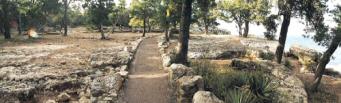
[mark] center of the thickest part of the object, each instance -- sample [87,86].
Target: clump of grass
[288,64]
[236,86]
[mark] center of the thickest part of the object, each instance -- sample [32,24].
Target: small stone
[177,71]
[84,100]
[124,73]
[50,101]
[107,99]
[63,97]
[205,97]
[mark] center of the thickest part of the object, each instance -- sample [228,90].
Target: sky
[296,27]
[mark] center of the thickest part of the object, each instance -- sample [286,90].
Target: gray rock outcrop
[187,86]
[205,97]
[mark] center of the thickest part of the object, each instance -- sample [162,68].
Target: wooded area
[180,21]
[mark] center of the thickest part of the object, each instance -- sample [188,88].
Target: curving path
[148,82]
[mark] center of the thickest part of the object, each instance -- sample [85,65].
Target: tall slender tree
[6,14]
[185,23]
[65,19]
[243,12]
[99,10]
[205,13]
[292,8]
[331,40]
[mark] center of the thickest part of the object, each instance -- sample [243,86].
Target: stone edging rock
[106,85]
[182,79]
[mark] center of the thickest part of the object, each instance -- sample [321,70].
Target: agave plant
[262,86]
[239,96]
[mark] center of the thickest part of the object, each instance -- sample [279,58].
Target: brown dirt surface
[329,90]
[148,82]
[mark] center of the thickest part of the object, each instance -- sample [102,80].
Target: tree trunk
[282,37]
[144,27]
[65,17]
[240,29]
[324,61]
[102,32]
[206,25]
[184,31]
[166,23]
[246,29]
[7,28]
[113,28]
[167,31]
[149,25]
[19,24]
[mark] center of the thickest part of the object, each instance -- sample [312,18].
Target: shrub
[287,64]
[236,85]
[239,96]
[262,87]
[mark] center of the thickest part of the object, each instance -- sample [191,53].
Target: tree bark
[282,37]
[19,24]
[144,27]
[206,25]
[102,32]
[113,28]
[65,17]
[184,33]
[324,61]
[7,28]
[167,30]
[246,29]
[240,29]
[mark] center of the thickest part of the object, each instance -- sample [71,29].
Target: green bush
[239,96]
[262,86]
[236,84]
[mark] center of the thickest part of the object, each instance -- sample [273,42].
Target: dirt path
[147,82]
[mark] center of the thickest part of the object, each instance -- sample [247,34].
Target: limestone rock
[167,59]
[108,57]
[212,47]
[255,53]
[84,99]
[50,101]
[205,97]
[177,71]
[63,97]
[106,84]
[306,56]
[123,73]
[187,86]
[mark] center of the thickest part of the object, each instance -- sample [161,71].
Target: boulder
[306,56]
[177,71]
[264,54]
[108,57]
[167,59]
[214,47]
[205,97]
[187,86]
[106,84]
[248,65]
[84,99]
[50,101]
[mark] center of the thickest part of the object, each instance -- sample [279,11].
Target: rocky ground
[78,68]
[251,53]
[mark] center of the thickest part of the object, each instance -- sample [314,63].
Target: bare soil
[148,82]
[329,90]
